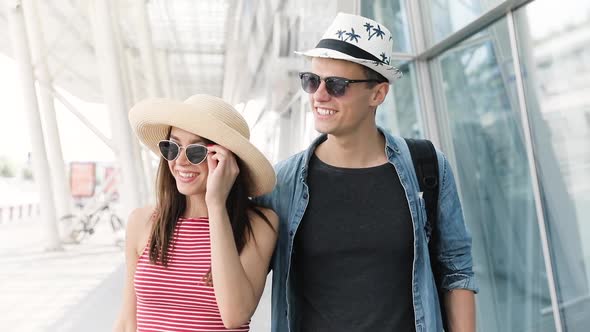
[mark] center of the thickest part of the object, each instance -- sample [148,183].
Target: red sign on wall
[82,179]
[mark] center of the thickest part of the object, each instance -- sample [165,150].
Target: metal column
[425,92]
[528,139]
[61,190]
[166,81]
[113,89]
[22,56]
[146,49]
[285,136]
[150,69]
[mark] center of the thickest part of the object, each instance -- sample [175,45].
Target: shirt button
[305,196]
[291,233]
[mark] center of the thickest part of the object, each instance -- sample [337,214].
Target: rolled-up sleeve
[454,244]
[266,200]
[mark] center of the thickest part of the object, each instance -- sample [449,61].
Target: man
[352,253]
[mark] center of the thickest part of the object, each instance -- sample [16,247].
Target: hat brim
[391,73]
[151,121]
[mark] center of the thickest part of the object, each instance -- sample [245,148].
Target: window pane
[554,48]
[482,133]
[399,112]
[447,16]
[391,13]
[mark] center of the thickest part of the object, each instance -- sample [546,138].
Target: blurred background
[501,86]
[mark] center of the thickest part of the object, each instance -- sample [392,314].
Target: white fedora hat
[211,118]
[358,39]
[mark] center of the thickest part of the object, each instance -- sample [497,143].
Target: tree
[7,169]
[27,173]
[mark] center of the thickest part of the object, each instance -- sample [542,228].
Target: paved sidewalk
[38,287]
[77,289]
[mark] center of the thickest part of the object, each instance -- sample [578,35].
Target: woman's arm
[239,279]
[135,238]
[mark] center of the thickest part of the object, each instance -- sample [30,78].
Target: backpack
[426,168]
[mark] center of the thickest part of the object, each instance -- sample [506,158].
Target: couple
[343,229]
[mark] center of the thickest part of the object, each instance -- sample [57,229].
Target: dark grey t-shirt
[353,252]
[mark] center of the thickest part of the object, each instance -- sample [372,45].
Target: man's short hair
[373,75]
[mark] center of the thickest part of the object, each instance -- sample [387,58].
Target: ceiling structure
[188,40]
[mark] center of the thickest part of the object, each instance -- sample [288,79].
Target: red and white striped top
[175,298]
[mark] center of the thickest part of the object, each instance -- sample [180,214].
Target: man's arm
[460,310]
[454,255]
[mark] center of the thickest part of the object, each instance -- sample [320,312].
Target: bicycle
[84,225]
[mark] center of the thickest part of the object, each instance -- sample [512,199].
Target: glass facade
[443,17]
[400,112]
[477,97]
[393,14]
[555,65]
[520,220]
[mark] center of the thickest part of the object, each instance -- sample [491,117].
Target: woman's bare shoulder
[141,217]
[139,225]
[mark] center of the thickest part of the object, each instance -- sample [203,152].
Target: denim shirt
[289,200]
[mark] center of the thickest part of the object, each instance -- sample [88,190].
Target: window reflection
[393,14]
[555,59]
[447,16]
[477,98]
[399,112]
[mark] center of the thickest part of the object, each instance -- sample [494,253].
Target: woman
[198,260]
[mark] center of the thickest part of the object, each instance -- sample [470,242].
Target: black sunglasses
[195,153]
[335,86]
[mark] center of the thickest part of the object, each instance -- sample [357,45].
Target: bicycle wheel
[116,222]
[91,223]
[75,226]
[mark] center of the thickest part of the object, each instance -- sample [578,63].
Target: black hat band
[348,49]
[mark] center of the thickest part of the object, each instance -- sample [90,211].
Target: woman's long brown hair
[171,204]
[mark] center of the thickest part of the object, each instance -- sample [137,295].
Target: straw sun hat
[211,118]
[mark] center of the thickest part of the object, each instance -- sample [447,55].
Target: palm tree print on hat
[352,35]
[340,33]
[377,32]
[368,26]
[384,58]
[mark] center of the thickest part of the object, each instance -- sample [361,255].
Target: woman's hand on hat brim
[223,171]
